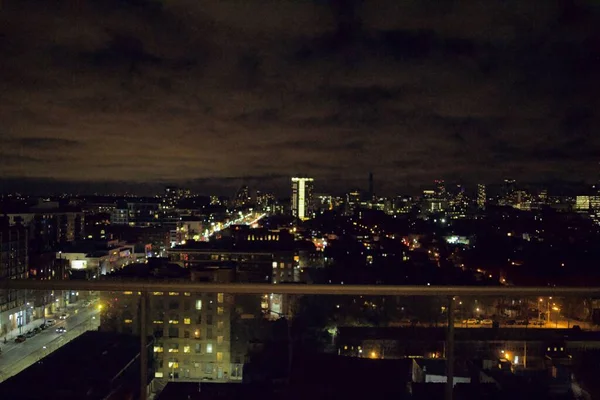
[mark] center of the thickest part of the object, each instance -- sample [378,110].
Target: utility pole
[450,351]
[143,345]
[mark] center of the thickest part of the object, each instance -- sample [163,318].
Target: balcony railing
[188,325]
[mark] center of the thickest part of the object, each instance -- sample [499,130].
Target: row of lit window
[174,348]
[220,297]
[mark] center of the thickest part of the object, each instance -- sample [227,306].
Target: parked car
[471,321]
[42,327]
[61,329]
[487,321]
[539,323]
[511,322]
[522,322]
[20,339]
[29,334]
[63,316]
[50,322]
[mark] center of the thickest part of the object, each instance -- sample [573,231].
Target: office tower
[582,204]
[172,196]
[481,199]
[352,201]
[242,197]
[440,188]
[543,196]
[302,189]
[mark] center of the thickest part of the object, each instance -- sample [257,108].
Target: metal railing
[145,287]
[333,289]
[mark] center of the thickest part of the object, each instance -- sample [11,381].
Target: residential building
[192,331]
[302,201]
[481,196]
[142,212]
[13,265]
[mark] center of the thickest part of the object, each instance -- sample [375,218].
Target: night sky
[216,93]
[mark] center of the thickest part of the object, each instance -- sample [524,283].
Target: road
[248,219]
[17,356]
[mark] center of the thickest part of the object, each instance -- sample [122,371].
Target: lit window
[209,348]
[174,348]
[220,310]
[197,333]
[187,321]
[157,321]
[158,374]
[173,321]
[173,364]
[219,325]
[220,297]
[128,292]
[158,349]
[219,356]
[198,304]
[219,339]
[186,349]
[128,321]
[157,293]
[173,293]
[187,294]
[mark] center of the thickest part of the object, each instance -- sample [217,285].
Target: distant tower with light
[481,199]
[302,192]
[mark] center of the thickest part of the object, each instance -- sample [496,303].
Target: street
[16,357]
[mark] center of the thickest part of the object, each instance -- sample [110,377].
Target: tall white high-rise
[302,191]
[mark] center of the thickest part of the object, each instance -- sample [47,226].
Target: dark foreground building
[96,365]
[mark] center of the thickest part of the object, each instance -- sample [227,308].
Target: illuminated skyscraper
[242,197]
[440,188]
[481,196]
[302,190]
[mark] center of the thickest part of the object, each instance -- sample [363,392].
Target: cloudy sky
[207,92]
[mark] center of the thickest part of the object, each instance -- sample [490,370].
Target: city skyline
[338,89]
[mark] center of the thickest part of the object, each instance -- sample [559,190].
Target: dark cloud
[203,92]
[41,143]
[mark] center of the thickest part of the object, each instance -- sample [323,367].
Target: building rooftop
[150,271]
[84,368]
[264,246]
[352,334]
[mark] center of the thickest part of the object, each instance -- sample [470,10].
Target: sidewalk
[11,335]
